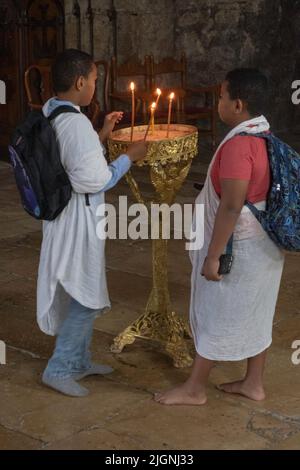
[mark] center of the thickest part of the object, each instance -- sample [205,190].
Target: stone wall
[143,27]
[216,36]
[219,35]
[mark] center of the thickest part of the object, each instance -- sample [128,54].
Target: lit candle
[132,87]
[171,97]
[153,106]
[151,120]
[158,91]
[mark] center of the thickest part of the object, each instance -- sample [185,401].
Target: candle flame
[158,91]
[153,105]
[132,86]
[172,95]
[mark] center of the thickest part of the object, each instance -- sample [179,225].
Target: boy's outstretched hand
[110,121]
[137,151]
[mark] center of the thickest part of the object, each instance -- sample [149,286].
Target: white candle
[158,91]
[171,97]
[151,120]
[132,87]
[153,106]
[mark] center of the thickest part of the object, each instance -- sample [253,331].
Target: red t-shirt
[243,158]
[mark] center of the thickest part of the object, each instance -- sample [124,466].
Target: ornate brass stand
[169,161]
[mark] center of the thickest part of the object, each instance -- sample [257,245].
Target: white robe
[232,319]
[72,261]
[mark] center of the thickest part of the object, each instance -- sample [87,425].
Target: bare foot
[180,396]
[241,387]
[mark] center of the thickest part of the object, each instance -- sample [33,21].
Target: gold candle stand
[169,161]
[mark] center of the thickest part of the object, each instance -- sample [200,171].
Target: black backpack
[43,184]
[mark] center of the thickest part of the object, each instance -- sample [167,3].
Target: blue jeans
[71,354]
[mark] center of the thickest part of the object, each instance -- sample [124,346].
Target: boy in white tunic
[71,287]
[231,315]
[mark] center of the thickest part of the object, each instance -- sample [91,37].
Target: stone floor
[119,412]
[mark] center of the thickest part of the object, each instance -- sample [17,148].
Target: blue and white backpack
[281,219]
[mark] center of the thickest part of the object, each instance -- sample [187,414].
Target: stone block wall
[216,35]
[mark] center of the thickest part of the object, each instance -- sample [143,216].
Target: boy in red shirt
[231,315]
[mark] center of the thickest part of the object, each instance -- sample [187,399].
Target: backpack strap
[87,199]
[62,109]
[229,246]
[67,109]
[263,134]
[253,209]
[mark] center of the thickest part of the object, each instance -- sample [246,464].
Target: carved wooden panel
[45,26]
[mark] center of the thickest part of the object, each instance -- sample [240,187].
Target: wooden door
[31,32]
[10,69]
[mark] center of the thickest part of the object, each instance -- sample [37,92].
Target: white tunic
[232,319]
[72,261]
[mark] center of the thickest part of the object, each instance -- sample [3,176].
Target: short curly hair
[251,86]
[68,66]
